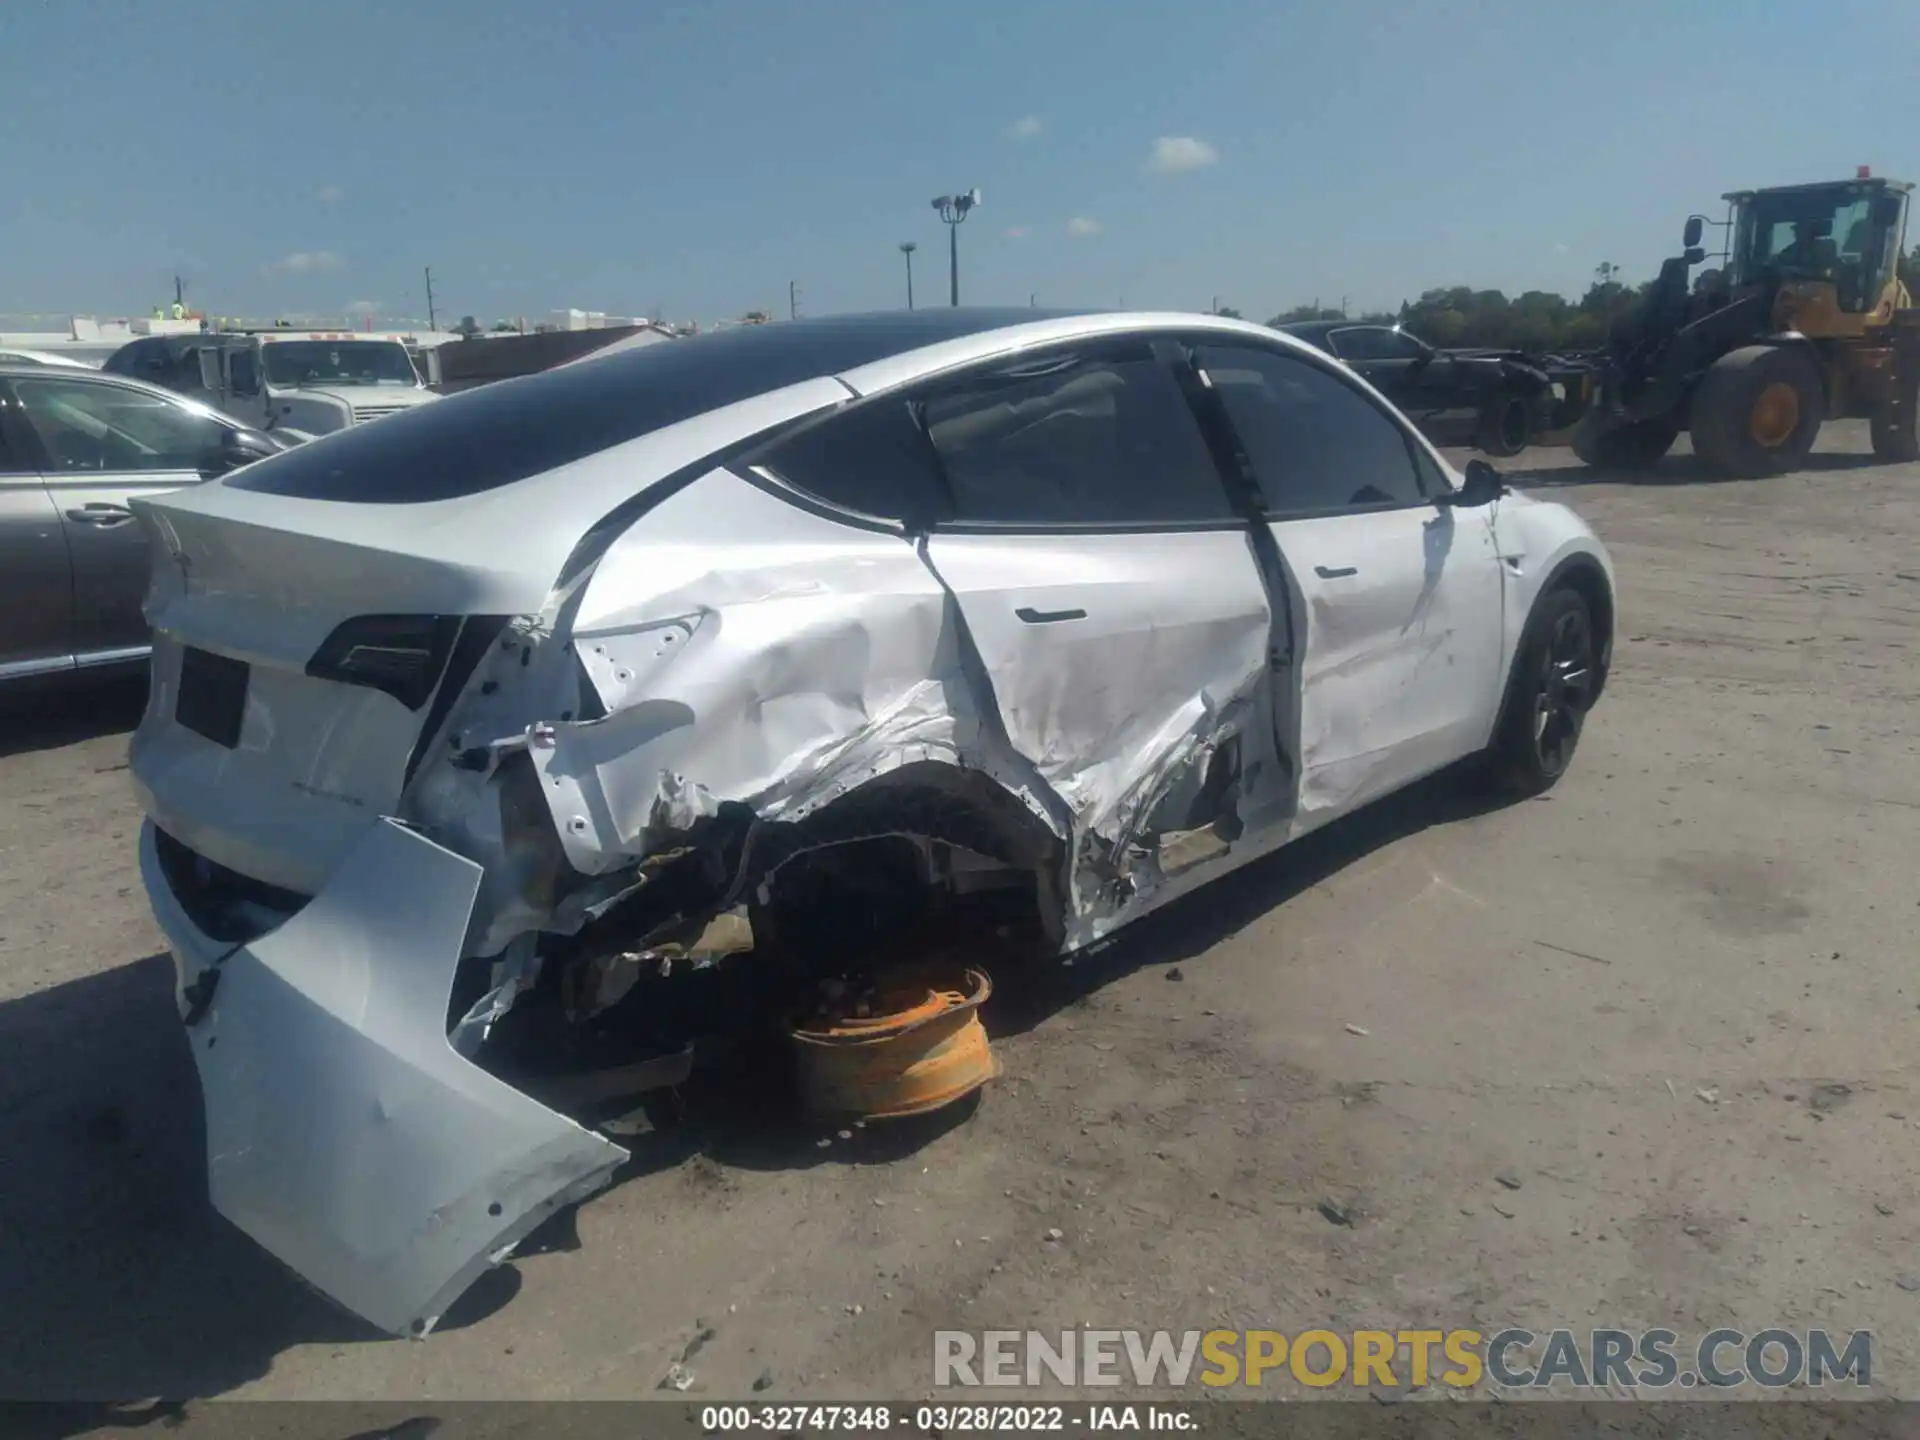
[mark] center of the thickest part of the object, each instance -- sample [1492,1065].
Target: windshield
[1808,234]
[337,362]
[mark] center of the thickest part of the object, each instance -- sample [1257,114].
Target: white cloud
[1177,154]
[1561,248]
[306,262]
[330,194]
[1082,225]
[365,307]
[1016,232]
[1025,128]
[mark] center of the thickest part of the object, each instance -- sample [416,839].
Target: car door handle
[1048,617]
[1335,572]
[101,514]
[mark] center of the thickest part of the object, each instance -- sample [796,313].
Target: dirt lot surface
[1677,1001]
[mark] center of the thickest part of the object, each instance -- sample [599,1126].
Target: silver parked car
[76,447]
[535,706]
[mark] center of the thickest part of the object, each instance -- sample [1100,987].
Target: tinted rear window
[489,437]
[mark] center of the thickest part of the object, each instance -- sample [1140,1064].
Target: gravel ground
[1676,1001]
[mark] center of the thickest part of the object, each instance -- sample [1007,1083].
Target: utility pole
[793,299]
[430,315]
[180,293]
[953,211]
[907,247]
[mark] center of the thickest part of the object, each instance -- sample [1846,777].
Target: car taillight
[403,655]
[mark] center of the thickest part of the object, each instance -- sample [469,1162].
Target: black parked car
[1495,400]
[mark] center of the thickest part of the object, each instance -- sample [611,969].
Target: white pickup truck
[303,383]
[296,383]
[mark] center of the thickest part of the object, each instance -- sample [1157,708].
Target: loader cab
[1827,252]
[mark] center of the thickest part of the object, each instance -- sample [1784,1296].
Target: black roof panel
[496,434]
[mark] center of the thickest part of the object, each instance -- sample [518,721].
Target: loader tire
[1757,411]
[1635,446]
[1896,435]
[1506,425]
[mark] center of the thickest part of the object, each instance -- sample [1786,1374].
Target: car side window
[243,370]
[143,359]
[1074,439]
[870,458]
[182,371]
[89,425]
[1372,342]
[12,462]
[1316,444]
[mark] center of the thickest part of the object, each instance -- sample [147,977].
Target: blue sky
[694,159]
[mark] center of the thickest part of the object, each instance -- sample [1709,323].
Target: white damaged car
[536,705]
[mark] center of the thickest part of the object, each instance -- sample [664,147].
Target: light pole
[907,247]
[954,210]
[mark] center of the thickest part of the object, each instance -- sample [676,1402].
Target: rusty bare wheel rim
[1776,415]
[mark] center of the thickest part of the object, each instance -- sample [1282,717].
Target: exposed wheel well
[896,842]
[928,807]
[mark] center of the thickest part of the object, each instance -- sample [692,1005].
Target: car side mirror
[239,447]
[1481,485]
[1696,227]
[1694,255]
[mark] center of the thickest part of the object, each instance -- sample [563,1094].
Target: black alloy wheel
[1554,682]
[1562,691]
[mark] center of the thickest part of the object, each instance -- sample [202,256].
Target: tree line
[1537,321]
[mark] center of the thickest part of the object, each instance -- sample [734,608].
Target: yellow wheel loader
[1806,320]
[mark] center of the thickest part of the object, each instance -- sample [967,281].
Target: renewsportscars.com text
[1514,1358]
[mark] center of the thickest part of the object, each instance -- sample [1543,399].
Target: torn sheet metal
[516,972]
[1118,663]
[806,659]
[603,981]
[344,1133]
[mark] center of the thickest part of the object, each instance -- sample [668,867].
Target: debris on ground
[1883,1207]
[763,1381]
[1830,1096]
[678,1377]
[702,1335]
[1710,1094]
[1176,973]
[1353,1029]
[1335,1213]
[1906,1282]
[1056,1234]
[1502,1211]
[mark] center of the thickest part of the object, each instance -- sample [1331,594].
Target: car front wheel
[1555,679]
